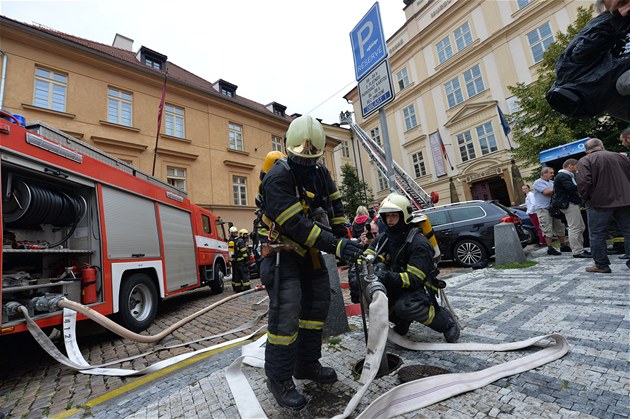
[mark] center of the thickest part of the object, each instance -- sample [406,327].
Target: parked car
[465,230]
[526,222]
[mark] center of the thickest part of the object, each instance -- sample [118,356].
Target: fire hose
[75,359]
[409,396]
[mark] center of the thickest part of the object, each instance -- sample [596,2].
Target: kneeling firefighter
[406,266]
[302,214]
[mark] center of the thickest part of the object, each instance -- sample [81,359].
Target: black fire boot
[402,327]
[314,371]
[451,334]
[285,393]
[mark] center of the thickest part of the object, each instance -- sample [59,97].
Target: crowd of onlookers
[599,182]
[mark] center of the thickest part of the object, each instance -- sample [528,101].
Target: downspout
[4,76]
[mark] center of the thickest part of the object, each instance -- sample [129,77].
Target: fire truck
[84,225]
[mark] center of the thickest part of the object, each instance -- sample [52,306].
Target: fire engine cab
[81,224]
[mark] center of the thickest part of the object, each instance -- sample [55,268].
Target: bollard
[507,246]
[337,321]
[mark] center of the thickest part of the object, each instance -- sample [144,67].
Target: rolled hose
[126,333]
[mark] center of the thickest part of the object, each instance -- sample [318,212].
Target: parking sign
[368,42]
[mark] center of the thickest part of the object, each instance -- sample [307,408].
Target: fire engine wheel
[217,285]
[138,302]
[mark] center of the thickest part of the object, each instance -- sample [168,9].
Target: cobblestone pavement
[495,306]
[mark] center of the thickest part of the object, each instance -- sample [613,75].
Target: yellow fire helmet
[270,159]
[243,232]
[306,140]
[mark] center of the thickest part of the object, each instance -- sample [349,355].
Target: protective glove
[348,250]
[390,279]
[340,231]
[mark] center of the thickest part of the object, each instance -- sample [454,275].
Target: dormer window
[277,109]
[225,88]
[152,58]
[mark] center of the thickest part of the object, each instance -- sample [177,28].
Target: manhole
[416,372]
[393,362]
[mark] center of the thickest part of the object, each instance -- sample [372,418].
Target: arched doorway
[493,188]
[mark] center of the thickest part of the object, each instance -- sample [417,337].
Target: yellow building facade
[211,143]
[451,65]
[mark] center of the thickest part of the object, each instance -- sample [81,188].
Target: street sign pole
[371,65]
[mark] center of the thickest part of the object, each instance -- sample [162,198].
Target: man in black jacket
[407,269]
[302,215]
[565,191]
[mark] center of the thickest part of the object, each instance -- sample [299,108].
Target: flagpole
[505,126]
[159,121]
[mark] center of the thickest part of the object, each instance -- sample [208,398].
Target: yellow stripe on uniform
[417,272]
[312,236]
[311,324]
[334,195]
[338,220]
[404,279]
[431,316]
[288,213]
[281,340]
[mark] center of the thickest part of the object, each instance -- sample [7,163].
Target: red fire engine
[82,224]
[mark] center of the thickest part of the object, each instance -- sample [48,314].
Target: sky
[293,52]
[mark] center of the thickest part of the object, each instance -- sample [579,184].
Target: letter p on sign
[363,36]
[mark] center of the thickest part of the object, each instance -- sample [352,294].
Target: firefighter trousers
[299,299]
[418,306]
[240,276]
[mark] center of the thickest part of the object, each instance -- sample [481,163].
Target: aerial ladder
[403,183]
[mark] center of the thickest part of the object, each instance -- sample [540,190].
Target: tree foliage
[354,191]
[536,126]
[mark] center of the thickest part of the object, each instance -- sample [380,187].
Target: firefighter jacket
[237,250]
[409,255]
[290,194]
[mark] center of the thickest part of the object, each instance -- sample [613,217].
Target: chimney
[123,42]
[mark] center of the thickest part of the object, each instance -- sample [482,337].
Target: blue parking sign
[368,42]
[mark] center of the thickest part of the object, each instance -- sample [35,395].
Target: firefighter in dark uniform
[237,250]
[302,214]
[406,266]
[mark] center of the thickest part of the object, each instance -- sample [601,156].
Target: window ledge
[239,164]
[50,111]
[417,127]
[174,138]
[244,153]
[111,124]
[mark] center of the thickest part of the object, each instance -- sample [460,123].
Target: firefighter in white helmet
[237,250]
[302,214]
[407,269]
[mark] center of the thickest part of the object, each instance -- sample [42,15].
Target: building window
[176,176]
[539,41]
[375,134]
[466,146]
[454,94]
[239,187]
[383,182]
[174,119]
[345,150]
[50,90]
[487,140]
[227,92]
[418,164]
[409,114]
[444,50]
[463,37]
[152,63]
[522,3]
[119,107]
[403,78]
[236,137]
[276,143]
[473,80]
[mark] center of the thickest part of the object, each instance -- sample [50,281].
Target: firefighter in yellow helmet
[407,269]
[302,215]
[239,257]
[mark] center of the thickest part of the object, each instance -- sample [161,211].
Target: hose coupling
[11,308]
[373,287]
[48,303]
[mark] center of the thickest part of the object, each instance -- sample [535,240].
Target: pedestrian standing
[302,215]
[550,226]
[529,209]
[603,180]
[565,190]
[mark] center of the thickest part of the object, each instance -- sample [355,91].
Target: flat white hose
[121,331]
